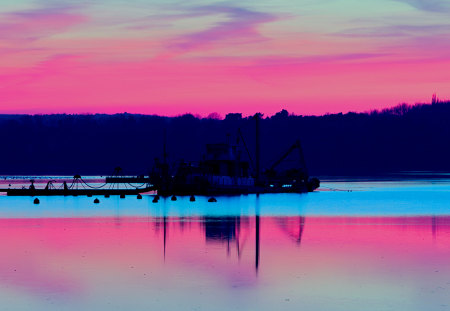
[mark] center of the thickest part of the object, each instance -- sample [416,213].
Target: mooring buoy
[192,198]
[36,201]
[157,197]
[212,200]
[173,198]
[122,196]
[96,201]
[155,200]
[139,196]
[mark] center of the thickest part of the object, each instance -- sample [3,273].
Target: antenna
[434,99]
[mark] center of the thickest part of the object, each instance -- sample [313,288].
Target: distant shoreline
[399,139]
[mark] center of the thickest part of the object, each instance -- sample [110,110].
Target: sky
[171,57]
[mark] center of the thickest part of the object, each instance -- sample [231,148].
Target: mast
[165,165]
[257,146]
[257,232]
[257,242]
[165,146]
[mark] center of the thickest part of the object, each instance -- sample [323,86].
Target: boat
[224,170]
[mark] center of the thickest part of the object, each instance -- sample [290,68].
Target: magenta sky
[169,57]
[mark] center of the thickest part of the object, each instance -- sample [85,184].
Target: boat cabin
[224,160]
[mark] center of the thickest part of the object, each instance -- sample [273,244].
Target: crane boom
[298,146]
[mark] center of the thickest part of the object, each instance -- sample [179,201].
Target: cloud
[396,31]
[417,41]
[429,5]
[31,25]
[240,26]
[315,59]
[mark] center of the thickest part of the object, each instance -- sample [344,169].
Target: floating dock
[79,186]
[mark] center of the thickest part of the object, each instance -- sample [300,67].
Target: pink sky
[169,60]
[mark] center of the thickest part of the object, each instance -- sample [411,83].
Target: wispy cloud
[33,24]
[240,26]
[396,31]
[316,59]
[429,5]
[414,41]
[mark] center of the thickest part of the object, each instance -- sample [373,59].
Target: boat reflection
[232,232]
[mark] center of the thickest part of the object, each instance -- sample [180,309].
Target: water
[351,246]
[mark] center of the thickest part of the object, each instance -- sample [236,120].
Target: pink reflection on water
[75,257]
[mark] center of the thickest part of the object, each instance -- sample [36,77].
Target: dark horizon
[401,138]
[218,116]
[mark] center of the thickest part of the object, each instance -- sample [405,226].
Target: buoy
[139,196]
[89,195]
[122,196]
[155,200]
[173,198]
[212,200]
[157,197]
[192,198]
[106,195]
[96,201]
[36,201]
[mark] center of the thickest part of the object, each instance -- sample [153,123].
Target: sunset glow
[167,58]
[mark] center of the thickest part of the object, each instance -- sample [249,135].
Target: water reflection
[227,231]
[200,262]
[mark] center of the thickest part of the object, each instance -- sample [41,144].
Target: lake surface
[350,246]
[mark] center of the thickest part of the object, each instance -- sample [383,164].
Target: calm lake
[350,246]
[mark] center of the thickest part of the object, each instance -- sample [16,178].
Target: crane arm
[284,156]
[298,146]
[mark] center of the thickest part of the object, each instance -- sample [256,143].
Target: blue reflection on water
[334,198]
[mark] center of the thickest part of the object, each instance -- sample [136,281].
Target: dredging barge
[223,171]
